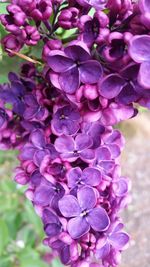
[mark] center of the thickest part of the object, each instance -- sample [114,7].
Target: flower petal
[37,138]
[83,141]
[144,74]
[52,229]
[91,176]
[111,86]
[69,80]
[139,48]
[59,63]
[77,227]
[69,206]
[90,71]
[77,53]
[87,198]
[64,144]
[43,195]
[98,219]
[119,240]
[73,176]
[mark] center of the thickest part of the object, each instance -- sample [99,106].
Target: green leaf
[3,8]
[4,235]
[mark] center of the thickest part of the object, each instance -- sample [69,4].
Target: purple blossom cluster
[61,117]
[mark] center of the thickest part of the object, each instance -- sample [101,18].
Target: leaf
[3,8]
[4,235]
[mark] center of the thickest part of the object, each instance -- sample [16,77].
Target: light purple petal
[90,71]
[121,187]
[119,240]
[91,176]
[77,227]
[111,86]
[27,152]
[87,198]
[107,165]
[83,141]
[69,80]
[39,156]
[144,75]
[139,48]
[64,144]
[144,6]
[103,153]
[115,150]
[69,206]
[87,154]
[103,252]
[37,138]
[73,176]
[60,63]
[43,195]
[98,219]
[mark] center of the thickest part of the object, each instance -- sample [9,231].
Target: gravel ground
[136,165]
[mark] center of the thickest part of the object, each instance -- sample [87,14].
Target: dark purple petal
[74,175]
[77,53]
[98,219]
[49,217]
[77,227]
[69,206]
[144,75]
[91,176]
[139,48]
[82,142]
[90,72]
[119,240]
[65,254]
[52,229]
[37,138]
[64,144]
[69,80]
[87,198]
[111,86]
[59,63]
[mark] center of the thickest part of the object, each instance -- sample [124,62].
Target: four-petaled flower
[74,66]
[89,176]
[66,121]
[83,212]
[71,149]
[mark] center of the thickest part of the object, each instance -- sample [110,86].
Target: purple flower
[52,225]
[123,87]
[42,11]
[33,109]
[104,160]
[114,237]
[68,18]
[30,35]
[48,194]
[14,19]
[37,148]
[12,42]
[83,213]
[140,53]
[74,66]
[66,120]
[94,130]
[71,149]
[89,176]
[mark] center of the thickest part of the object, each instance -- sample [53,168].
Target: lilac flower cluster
[60,117]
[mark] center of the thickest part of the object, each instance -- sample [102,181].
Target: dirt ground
[136,165]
